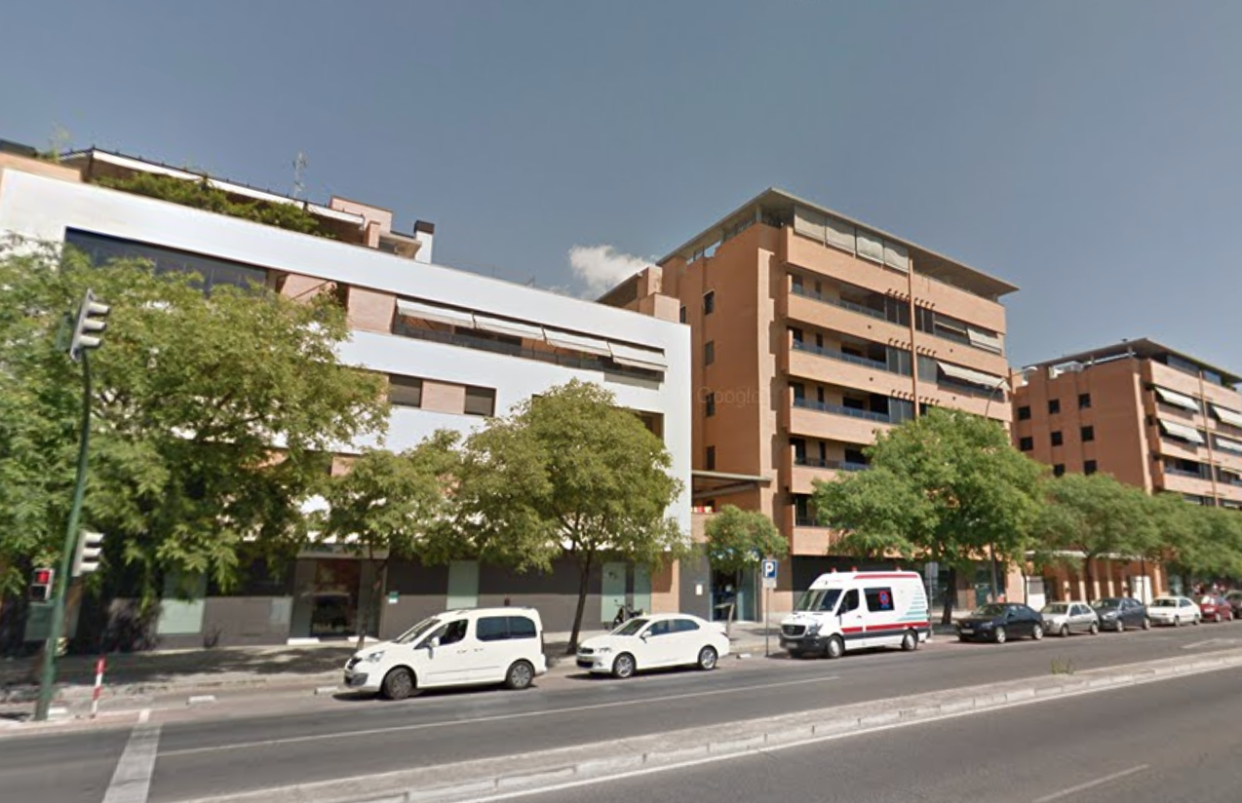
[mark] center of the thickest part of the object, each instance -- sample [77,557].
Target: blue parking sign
[769,569]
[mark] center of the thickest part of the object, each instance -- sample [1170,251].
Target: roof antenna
[299,174]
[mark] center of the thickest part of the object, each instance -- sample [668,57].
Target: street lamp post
[992,546]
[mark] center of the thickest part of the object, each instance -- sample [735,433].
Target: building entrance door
[326,605]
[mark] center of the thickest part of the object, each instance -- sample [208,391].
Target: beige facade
[810,333]
[1148,415]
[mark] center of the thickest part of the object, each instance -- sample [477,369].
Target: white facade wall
[39,207]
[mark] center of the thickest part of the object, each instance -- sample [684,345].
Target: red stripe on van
[852,630]
[899,626]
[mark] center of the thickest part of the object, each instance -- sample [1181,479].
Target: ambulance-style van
[856,610]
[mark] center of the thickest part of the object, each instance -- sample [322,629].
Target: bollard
[100,665]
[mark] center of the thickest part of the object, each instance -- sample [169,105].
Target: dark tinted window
[1054,406]
[1024,413]
[493,628]
[709,352]
[1088,434]
[480,401]
[1056,438]
[709,303]
[521,627]
[684,626]
[405,391]
[1089,467]
[1058,469]
[1084,401]
[1026,444]
[661,628]
[850,602]
[879,599]
[102,248]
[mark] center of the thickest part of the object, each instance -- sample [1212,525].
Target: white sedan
[1174,611]
[654,641]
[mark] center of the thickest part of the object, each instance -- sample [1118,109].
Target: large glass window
[102,248]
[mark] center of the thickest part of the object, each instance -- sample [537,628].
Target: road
[274,743]
[1175,740]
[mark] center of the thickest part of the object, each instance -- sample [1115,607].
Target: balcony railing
[836,409]
[1181,472]
[807,521]
[838,465]
[819,351]
[836,302]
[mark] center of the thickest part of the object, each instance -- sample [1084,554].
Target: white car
[1064,618]
[1171,610]
[456,648]
[654,641]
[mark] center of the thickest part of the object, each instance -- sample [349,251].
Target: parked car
[1215,608]
[998,621]
[1235,602]
[455,648]
[1064,618]
[855,610]
[1176,611]
[657,640]
[1118,613]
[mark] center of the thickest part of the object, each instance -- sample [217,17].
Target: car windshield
[1207,598]
[417,630]
[1056,607]
[630,628]
[1165,602]
[988,610]
[1106,603]
[824,599]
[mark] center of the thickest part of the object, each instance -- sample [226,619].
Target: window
[709,402]
[660,628]
[1056,438]
[1026,444]
[480,401]
[709,302]
[1054,406]
[1089,467]
[101,249]
[522,627]
[709,352]
[1058,469]
[710,462]
[1084,401]
[681,316]
[850,602]
[405,391]
[504,628]
[684,626]
[450,633]
[879,599]
[1024,413]
[1088,434]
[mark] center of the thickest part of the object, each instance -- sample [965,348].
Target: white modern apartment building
[457,347]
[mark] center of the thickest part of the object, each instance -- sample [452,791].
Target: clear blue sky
[1087,152]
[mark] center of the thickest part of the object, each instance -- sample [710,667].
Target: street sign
[769,569]
[769,582]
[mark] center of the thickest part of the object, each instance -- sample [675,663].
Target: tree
[388,505]
[214,416]
[946,487]
[738,540]
[1094,516]
[568,473]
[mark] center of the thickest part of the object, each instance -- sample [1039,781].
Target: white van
[455,648]
[854,610]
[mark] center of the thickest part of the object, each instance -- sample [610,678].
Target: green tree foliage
[567,473]
[389,505]
[1094,516]
[738,540]
[946,487]
[213,416]
[202,195]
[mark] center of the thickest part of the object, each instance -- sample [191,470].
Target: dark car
[1214,608]
[998,621]
[1235,600]
[1118,613]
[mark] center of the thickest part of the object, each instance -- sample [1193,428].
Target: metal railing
[837,302]
[836,409]
[1181,472]
[838,465]
[819,351]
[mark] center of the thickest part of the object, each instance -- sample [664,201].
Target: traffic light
[86,558]
[90,325]
[41,585]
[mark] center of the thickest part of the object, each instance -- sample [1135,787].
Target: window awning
[638,357]
[590,345]
[968,375]
[984,340]
[1228,445]
[1177,399]
[512,328]
[1181,431]
[1230,417]
[434,312]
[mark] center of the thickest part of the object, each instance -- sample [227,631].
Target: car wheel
[1177,621]
[1196,621]
[1217,618]
[835,647]
[1037,632]
[520,675]
[999,635]
[796,654]
[1064,631]
[1121,626]
[962,638]
[398,684]
[1095,628]
[707,658]
[1146,623]
[910,641]
[623,667]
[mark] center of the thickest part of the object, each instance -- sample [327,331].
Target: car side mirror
[432,643]
[645,636]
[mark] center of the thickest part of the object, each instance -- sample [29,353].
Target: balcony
[840,304]
[839,465]
[837,409]
[865,362]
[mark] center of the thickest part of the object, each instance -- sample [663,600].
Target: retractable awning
[969,375]
[566,340]
[636,357]
[1181,431]
[984,340]
[1228,445]
[1228,416]
[434,312]
[1177,399]
[501,326]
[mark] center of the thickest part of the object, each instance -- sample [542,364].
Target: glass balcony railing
[836,409]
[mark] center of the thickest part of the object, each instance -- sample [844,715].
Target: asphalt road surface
[1175,740]
[309,739]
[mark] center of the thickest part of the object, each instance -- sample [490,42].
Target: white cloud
[602,267]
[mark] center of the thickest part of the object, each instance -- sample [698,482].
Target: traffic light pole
[63,579]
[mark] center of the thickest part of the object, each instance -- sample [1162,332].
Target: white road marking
[131,782]
[143,716]
[1082,787]
[1212,642]
[495,718]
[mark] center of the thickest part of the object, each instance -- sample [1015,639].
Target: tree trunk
[1088,571]
[376,588]
[950,597]
[584,579]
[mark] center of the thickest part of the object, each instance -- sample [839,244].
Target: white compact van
[456,648]
[854,610]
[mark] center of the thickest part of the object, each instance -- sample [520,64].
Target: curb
[572,766]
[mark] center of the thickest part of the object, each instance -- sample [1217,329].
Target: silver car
[1064,618]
